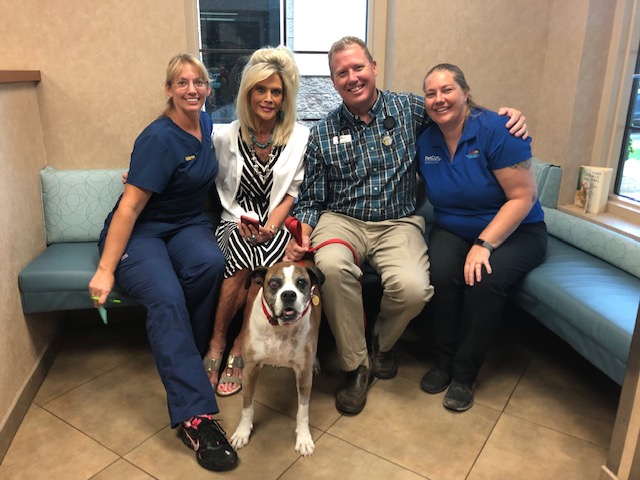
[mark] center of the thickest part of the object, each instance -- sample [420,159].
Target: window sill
[622,216]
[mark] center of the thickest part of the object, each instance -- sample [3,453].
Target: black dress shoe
[352,393]
[385,365]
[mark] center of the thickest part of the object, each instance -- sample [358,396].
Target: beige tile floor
[541,412]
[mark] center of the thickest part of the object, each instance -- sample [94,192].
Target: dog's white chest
[282,346]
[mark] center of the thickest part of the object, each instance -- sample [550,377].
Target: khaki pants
[397,251]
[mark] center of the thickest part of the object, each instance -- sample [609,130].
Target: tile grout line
[502,412]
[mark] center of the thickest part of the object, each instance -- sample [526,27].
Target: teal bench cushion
[58,279]
[588,302]
[548,179]
[76,202]
[613,247]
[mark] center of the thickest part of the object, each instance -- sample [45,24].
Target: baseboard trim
[24,397]
[606,474]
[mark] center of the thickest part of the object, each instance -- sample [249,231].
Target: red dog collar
[272,319]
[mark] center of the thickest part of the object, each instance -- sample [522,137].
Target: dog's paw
[240,437]
[305,445]
[316,366]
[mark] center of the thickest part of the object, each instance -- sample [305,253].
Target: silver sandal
[211,365]
[233,361]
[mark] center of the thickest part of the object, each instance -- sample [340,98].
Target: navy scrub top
[178,169]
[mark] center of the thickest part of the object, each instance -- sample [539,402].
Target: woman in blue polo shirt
[489,227]
[159,246]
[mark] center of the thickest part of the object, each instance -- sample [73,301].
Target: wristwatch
[484,243]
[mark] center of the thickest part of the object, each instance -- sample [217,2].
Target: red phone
[249,221]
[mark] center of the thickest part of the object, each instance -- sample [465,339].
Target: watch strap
[485,244]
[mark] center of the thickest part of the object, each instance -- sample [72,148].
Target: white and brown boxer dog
[282,324]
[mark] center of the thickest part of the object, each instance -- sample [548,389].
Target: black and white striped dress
[253,196]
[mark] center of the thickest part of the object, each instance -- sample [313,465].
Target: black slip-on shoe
[459,397]
[352,393]
[435,380]
[385,365]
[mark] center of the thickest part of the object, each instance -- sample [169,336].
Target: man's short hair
[346,42]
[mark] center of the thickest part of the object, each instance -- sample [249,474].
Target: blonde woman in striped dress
[260,171]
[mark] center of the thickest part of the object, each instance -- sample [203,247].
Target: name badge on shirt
[342,139]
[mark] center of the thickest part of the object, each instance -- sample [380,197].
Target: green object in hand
[103,314]
[103,311]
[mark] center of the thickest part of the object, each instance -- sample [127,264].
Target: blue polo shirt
[464,192]
[178,169]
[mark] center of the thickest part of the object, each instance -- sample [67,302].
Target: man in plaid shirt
[360,186]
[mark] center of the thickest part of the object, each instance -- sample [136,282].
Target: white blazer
[288,170]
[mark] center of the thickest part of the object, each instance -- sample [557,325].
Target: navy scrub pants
[466,318]
[177,279]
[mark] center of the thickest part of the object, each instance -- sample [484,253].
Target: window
[231,30]
[627,182]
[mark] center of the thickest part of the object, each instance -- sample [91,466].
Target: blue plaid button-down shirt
[349,170]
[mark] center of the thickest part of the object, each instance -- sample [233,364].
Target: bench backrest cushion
[548,179]
[610,246]
[75,203]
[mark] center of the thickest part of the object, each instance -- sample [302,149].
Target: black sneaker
[435,380]
[459,397]
[207,438]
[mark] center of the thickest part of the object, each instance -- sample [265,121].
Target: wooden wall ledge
[8,76]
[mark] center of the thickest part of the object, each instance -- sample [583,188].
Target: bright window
[628,176]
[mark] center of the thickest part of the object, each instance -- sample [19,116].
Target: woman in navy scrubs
[159,246]
[489,227]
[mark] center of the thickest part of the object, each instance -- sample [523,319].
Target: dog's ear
[256,276]
[317,277]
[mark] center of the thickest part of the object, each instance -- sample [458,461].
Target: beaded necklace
[258,144]
[261,169]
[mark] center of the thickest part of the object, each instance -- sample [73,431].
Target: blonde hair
[262,64]
[176,64]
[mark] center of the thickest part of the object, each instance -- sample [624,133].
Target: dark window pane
[231,31]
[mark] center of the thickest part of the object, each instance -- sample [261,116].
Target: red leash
[295,228]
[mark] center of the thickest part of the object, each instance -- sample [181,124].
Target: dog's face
[287,288]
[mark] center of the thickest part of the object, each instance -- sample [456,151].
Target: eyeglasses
[183,83]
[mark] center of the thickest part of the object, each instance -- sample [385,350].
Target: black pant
[466,318]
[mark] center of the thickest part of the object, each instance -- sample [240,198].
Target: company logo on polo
[431,159]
